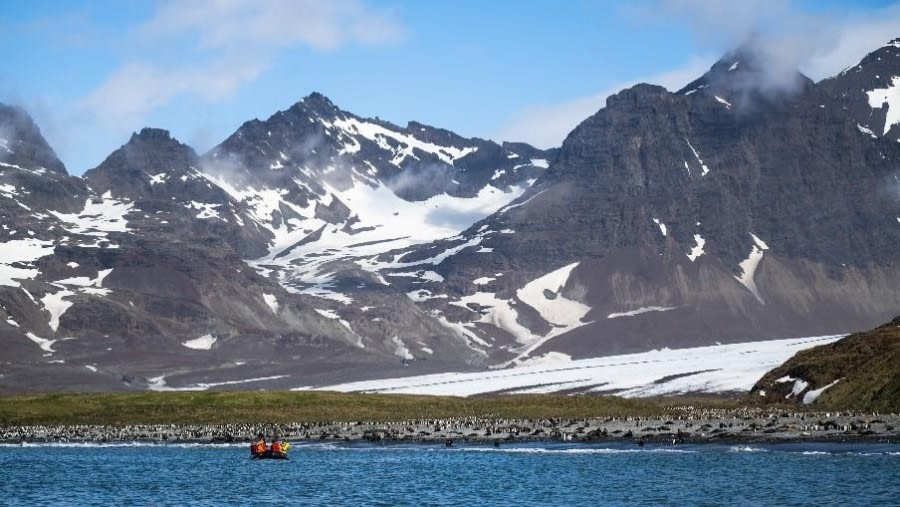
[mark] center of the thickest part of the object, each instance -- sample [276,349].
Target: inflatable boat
[269,455]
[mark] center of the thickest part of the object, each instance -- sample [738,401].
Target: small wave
[545,450]
[746,448]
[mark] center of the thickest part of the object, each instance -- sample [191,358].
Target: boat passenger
[258,446]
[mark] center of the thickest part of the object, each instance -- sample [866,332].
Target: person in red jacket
[279,448]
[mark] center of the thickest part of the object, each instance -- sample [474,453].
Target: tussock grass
[284,406]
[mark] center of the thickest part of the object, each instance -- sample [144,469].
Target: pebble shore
[690,426]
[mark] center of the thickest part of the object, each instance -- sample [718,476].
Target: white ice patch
[384,222]
[813,395]
[561,313]
[45,344]
[400,349]
[697,156]
[697,249]
[800,385]
[889,96]
[405,143]
[207,210]
[272,301]
[712,369]
[56,305]
[662,226]
[499,313]
[866,131]
[91,368]
[99,217]
[734,66]
[543,359]
[333,315]
[484,280]
[639,311]
[516,205]
[16,257]
[205,342]
[159,383]
[83,281]
[156,179]
[540,162]
[748,267]
[727,104]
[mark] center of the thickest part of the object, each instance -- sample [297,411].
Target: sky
[91,73]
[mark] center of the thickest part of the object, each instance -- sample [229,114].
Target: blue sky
[92,73]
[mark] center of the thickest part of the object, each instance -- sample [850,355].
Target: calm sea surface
[522,474]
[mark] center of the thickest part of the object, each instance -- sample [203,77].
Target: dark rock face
[864,91]
[22,144]
[138,272]
[723,212]
[318,246]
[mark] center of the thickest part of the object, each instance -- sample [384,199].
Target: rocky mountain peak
[149,154]
[749,75]
[154,139]
[317,104]
[869,91]
[22,144]
[151,134]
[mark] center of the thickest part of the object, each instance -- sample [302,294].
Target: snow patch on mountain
[17,256]
[639,311]
[697,249]
[56,304]
[45,344]
[544,294]
[400,349]
[662,226]
[99,217]
[88,285]
[748,267]
[813,395]
[405,144]
[705,169]
[272,302]
[204,342]
[890,97]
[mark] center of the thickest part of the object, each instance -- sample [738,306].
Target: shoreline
[726,428]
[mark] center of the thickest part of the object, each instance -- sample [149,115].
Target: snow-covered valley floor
[712,369]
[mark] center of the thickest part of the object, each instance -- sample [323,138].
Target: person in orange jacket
[258,446]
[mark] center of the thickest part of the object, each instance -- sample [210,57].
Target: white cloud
[855,37]
[546,125]
[226,24]
[228,43]
[135,90]
[820,45]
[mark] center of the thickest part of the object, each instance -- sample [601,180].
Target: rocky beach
[688,426]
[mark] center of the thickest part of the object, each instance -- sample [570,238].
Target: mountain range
[317,247]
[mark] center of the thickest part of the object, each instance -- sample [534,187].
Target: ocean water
[514,474]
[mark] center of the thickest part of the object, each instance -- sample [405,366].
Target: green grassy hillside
[865,367]
[283,406]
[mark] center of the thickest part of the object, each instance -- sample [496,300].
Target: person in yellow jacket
[279,447]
